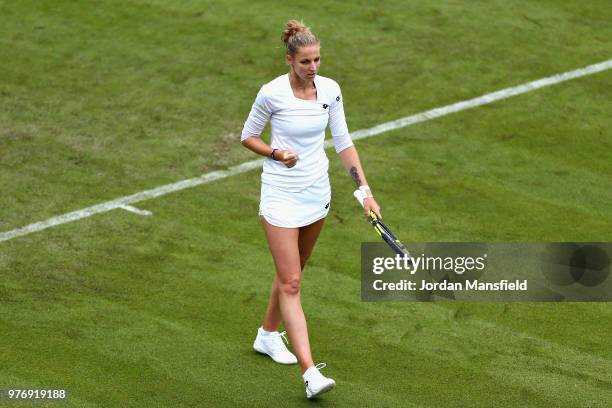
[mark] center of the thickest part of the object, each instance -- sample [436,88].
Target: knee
[290,286]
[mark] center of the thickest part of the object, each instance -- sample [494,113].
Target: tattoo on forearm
[355,175]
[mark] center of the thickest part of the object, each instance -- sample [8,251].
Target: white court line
[360,134]
[135,210]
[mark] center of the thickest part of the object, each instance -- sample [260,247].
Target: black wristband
[272,154]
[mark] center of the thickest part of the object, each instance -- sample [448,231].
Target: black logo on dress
[338,98]
[326,206]
[325,106]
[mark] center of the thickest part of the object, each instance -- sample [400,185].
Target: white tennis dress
[297,196]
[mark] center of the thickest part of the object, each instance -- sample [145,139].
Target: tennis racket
[384,232]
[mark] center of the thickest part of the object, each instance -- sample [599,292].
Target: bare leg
[306,241]
[273,317]
[290,249]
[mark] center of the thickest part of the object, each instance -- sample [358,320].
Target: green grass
[107,99]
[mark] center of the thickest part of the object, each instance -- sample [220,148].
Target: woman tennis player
[295,190]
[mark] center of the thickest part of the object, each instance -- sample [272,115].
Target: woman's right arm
[255,144]
[260,114]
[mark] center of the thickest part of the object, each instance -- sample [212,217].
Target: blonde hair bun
[297,35]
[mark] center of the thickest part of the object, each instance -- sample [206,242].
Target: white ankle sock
[265,333]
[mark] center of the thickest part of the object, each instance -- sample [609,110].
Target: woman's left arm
[350,160]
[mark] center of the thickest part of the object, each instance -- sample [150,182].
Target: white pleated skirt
[291,209]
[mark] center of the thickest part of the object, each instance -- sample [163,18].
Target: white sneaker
[272,345]
[315,382]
